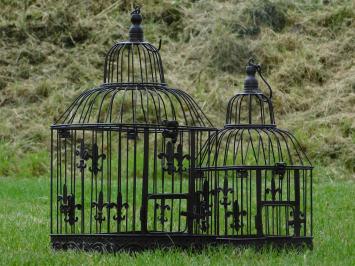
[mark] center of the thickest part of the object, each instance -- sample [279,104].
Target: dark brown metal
[160,175]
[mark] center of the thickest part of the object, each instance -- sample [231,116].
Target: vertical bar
[134,179]
[119,177]
[82,196]
[304,189]
[155,182]
[51,185]
[108,161]
[311,198]
[258,222]
[59,177]
[191,201]
[296,214]
[92,187]
[144,207]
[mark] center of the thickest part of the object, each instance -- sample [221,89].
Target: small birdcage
[136,165]
[257,179]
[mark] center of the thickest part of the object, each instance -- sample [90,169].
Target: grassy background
[24,234]
[50,51]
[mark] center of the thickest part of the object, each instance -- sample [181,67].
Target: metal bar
[51,186]
[144,207]
[296,214]
[191,200]
[277,203]
[258,218]
[168,196]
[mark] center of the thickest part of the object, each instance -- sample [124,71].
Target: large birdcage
[136,164]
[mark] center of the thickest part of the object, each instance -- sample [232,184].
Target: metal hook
[258,69]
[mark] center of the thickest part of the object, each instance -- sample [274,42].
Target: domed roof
[134,104]
[134,90]
[250,107]
[250,136]
[259,146]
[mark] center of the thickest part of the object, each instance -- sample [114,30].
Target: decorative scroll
[163,207]
[119,207]
[273,190]
[68,206]
[236,213]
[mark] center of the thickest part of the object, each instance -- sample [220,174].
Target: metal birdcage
[136,164]
[258,179]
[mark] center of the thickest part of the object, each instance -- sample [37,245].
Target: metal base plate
[138,242]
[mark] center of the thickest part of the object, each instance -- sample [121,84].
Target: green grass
[24,230]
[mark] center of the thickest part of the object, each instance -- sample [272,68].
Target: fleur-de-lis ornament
[68,206]
[180,157]
[273,190]
[169,156]
[163,207]
[225,191]
[99,205]
[83,154]
[205,206]
[95,156]
[119,207]
[236,213]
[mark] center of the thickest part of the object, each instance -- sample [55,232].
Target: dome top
[253,147]
[135,60]
[134,92]
[250,137]
[251,107]
[148,105]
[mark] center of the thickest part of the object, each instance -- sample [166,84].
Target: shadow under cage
[136,164]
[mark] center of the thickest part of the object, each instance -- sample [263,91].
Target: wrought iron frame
[137,165]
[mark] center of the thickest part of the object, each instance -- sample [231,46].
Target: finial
[251,84]
[136,31]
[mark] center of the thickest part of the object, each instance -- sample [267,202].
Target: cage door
[165,181]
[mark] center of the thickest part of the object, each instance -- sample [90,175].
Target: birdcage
[255,178]
[122,155]
[136,164]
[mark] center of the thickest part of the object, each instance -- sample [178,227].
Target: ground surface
[24,232]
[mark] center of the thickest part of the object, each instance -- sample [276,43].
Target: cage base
[139,242]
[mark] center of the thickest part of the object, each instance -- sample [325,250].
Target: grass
[24,231]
